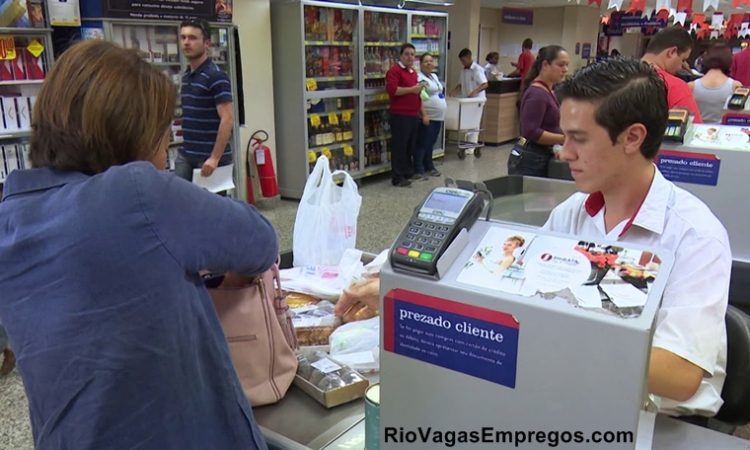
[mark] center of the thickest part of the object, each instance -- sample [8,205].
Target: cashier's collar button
[402,251]
[414,254]
[426,256]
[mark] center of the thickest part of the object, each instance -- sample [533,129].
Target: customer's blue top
[203,89]
[116,338]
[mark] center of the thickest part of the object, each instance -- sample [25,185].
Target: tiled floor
[384,211]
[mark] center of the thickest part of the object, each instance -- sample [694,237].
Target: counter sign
[689,167]
[475,341]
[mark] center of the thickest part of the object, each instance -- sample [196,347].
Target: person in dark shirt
[540,114]
[101,254]
[207,109]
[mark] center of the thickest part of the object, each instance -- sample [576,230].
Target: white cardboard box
[10,114]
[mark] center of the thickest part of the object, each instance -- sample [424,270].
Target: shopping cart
[464,116]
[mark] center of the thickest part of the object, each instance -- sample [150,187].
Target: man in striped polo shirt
[207,111]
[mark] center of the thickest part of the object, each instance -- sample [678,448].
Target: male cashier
[613,114]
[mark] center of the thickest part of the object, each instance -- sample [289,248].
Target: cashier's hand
[209,166]
[416,89]
[425,121]
[363,293]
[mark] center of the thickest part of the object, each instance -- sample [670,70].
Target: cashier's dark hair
[100,106]
[626,92]
[405,46]
[674,36]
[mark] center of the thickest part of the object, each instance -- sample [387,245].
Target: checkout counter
[712,163]
[500,122]
[298,422]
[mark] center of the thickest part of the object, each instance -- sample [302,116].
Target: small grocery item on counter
[328,381]
[297,300]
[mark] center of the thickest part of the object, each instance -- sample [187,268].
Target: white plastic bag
[357,344]
[326,223]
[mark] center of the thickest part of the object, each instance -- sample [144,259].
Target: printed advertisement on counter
[598,277]
[210,10]
[468,339]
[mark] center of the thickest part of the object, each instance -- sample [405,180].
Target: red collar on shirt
[595,202]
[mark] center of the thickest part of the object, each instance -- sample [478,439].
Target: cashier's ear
[632,138]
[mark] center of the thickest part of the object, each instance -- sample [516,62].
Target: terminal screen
[445,202]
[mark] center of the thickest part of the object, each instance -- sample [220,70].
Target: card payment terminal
[432,228]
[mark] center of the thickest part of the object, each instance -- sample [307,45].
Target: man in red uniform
[403,90]
[525,60]
[666,52]
[741,67]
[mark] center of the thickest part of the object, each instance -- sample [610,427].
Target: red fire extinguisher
[261,157]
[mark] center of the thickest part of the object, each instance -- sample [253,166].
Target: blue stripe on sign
[217,82]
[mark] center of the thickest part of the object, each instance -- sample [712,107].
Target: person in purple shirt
[117,340]
[540,114]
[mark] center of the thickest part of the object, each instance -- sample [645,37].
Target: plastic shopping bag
[326,223]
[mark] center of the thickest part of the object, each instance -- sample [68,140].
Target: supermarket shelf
[377,108]
[335,146]
[330,43]
[375,76]
[18,134]
[374,170]
[377,139]
[325,113]
[426,36]
[25,31]
[331,93]
[345,78]
[20,82]
[373,91]
[383,44]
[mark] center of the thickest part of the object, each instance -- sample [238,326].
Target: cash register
[531,338]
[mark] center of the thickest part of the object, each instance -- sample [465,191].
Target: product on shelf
[384,27]
[328,61]
[426,26]
[327,24]
[379,59]
[12,157]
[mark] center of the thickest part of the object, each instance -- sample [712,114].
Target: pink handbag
[259,330]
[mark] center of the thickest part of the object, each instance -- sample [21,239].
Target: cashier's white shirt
[472,78]
[690,322]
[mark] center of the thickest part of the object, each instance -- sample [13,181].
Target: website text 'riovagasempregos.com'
[490,435]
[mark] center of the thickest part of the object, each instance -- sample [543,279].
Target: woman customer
[540,114]
[715,87]
[116,338]
[433,115]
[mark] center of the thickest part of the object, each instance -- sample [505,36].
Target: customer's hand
[362,293]
[416,89]
[209,166]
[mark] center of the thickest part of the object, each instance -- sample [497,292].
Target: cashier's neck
[625,199]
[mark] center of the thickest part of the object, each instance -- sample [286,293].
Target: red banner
[598,2]
[637,5]
[684,5]
[736,3]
